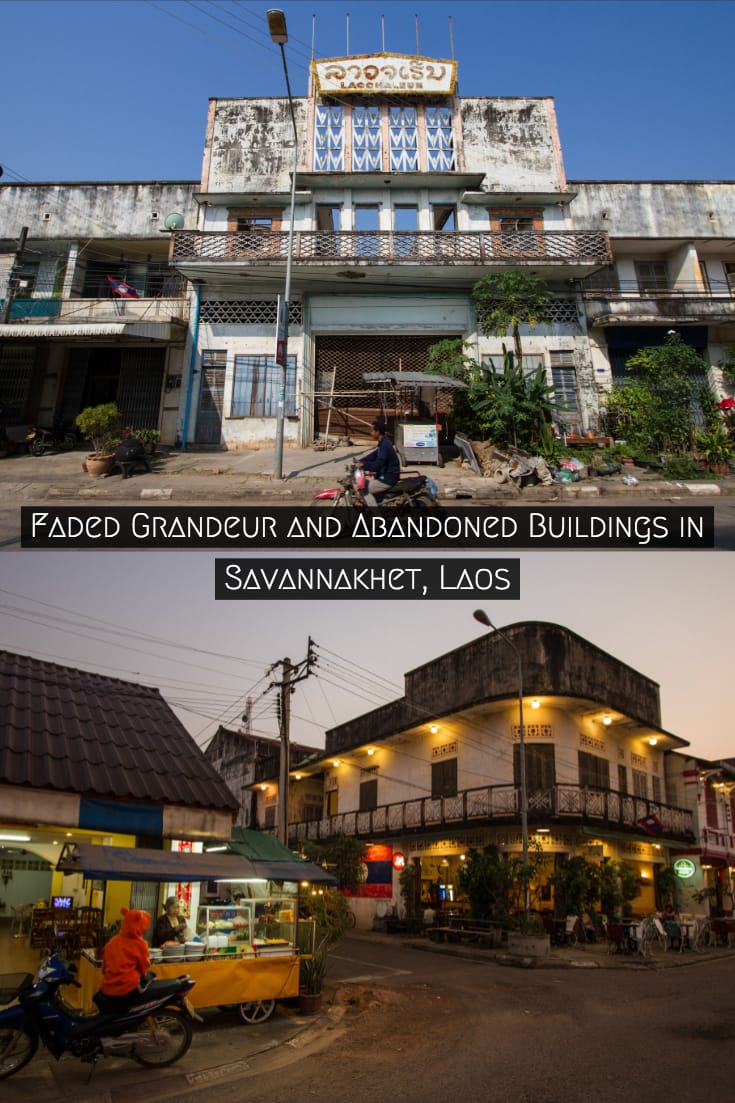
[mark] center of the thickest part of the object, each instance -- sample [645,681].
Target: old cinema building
[405,195]
[436,772]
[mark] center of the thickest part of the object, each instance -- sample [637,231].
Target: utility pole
[291,674]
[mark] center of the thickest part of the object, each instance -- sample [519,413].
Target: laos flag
[651,824]
[123,289]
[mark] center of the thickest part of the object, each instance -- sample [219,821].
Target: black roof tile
[72,730]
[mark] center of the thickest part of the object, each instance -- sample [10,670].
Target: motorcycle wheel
[16,1049]
[258,1011]
[37,447]
[69,443]
[172,1033]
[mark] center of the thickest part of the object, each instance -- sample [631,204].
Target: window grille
[248,313]
[563,312]
[564,380]
[329,141]
[255,387]
[404,150]
[366,144]
[439,139]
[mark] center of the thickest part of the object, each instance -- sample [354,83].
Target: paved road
[426,1027]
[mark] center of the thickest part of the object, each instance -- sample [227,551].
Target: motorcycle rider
[125,959]
[382,465]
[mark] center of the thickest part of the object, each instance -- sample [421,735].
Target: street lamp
[481,616]
[279,35]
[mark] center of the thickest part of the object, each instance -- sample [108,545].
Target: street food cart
[419,429]
[244,955]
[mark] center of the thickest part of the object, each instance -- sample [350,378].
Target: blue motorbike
[151,1025]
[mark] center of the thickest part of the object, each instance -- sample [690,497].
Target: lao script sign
[385,73]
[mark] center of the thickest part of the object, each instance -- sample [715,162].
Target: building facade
[437,772]
[404,193]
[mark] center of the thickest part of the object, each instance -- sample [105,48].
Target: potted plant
[148,437]
[715,448]
[312,970]
[100,425]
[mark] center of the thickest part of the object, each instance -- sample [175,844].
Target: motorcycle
[59,438]
[152,1025]
[412,491]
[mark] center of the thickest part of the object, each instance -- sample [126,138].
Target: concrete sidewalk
[224,1051]
[247,477]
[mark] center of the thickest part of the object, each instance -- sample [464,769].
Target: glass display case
[260,927]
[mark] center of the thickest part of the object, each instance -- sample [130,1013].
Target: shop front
[244,951]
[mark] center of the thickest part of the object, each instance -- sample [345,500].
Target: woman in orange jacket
[125,958]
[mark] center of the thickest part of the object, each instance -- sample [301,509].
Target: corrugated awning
[120,863]
[151,331]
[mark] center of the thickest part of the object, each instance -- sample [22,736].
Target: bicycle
[704,937]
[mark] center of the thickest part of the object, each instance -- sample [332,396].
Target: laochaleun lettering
[638,528]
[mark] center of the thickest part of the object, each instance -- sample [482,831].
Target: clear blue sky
[118,89]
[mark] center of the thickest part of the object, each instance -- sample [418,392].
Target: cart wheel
[258,1011]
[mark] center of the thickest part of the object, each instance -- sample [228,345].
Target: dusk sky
[669,615]
[118,89]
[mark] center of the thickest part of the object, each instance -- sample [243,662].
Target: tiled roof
[75,731]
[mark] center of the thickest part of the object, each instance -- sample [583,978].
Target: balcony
[564,805]
[455,255]
[671,306]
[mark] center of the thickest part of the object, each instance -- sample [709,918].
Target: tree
[508,407]
[655,410]
[487,879]
[508,300]
[343,857]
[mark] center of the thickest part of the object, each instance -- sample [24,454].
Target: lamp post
[279,35]
[481,616]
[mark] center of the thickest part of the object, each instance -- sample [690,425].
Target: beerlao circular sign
[684,868]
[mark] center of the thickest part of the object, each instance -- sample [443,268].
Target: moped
[152,1025]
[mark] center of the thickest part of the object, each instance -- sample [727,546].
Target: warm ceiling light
[544,831]
[371,750]
[607,720]
[263,788]
[434,729]
[68,834]
[335,762]
[298,777]
[652,741]
[535,704]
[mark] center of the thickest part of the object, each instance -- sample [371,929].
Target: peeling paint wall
[655,209]
[251,146]
[94,210]
[513,141]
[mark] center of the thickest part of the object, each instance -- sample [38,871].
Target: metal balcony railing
[561,804]
[387,246]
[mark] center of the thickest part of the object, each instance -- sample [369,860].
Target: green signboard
[684,868]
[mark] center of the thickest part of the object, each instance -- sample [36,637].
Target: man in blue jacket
[381,465]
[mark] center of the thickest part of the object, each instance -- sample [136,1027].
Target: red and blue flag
[651,824]
[123,289]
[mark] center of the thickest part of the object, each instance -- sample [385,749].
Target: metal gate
[211,398]
[139,387]
[339,365]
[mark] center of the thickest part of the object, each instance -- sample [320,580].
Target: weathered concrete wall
[556,662]
[514,142]
[250,145]
[655,208]
[94,210]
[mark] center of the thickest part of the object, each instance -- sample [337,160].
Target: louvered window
[256,383]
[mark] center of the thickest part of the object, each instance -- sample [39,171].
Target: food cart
[244,955]
[419,429]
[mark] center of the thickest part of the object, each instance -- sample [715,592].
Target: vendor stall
[419,428]
[245,954]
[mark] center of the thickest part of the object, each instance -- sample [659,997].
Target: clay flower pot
[100,463]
